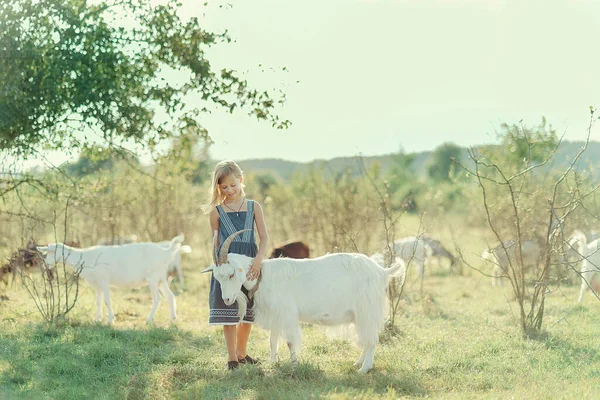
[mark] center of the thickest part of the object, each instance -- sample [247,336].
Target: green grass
[458,340]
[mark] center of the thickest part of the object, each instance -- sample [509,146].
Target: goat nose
[227,300]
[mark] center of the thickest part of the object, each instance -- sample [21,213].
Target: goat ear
[42,248]
[212,267]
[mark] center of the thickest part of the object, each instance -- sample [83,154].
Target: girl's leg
[243,333]
[230,340]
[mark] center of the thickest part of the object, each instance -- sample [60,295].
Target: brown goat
[296,249]
[5,271]
[24,260]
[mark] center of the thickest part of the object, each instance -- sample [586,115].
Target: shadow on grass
[570,351]
[74,360]
[282,380]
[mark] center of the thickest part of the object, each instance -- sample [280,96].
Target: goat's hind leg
[367,330]
[164,288]
[294,342]
[274,340]
[586,279]
[361,359]
[368,358]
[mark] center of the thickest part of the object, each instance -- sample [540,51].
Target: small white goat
[129,265]
[503,256]
[335,289]
[589,253]
[414,250]
[175,267]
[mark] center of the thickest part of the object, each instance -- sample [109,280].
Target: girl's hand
[254,271]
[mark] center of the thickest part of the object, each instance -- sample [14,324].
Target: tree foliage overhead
[69,67]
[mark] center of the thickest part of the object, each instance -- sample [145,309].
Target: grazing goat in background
[129,265]
[295,249]
[5,271]
[439,251]
[589,253]
[415,250]
[335,289]
[506,254]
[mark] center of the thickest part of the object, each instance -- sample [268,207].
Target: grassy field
[458,339]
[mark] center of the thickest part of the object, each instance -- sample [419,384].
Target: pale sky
[377,76]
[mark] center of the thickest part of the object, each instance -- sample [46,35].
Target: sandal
[231,365]
[248,360]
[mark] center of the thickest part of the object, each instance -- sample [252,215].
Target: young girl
[231,211]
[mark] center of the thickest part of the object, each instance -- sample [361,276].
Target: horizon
[241,160]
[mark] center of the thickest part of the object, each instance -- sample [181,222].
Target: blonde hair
[222,170]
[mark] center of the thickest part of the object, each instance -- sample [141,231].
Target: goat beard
[242,301]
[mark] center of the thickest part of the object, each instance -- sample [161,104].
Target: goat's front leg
[98,304]
[111,314]
[274,339]
[155,300]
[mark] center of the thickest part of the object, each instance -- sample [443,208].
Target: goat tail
[397,269]
[578,241]
[176,242]
[178,239]
[488,255]
[242,301]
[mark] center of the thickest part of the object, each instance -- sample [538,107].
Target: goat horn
[225,248]
[214,249]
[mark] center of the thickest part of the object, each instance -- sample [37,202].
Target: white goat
[503,256]
[175,267]
[589,253]
[129,265]
[335,289]
[414,250]
[577,239]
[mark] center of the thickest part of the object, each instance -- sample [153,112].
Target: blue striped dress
[229,223]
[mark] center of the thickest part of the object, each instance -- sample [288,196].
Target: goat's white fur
[128,265]
[335,289]
[589,253]
[503,256]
